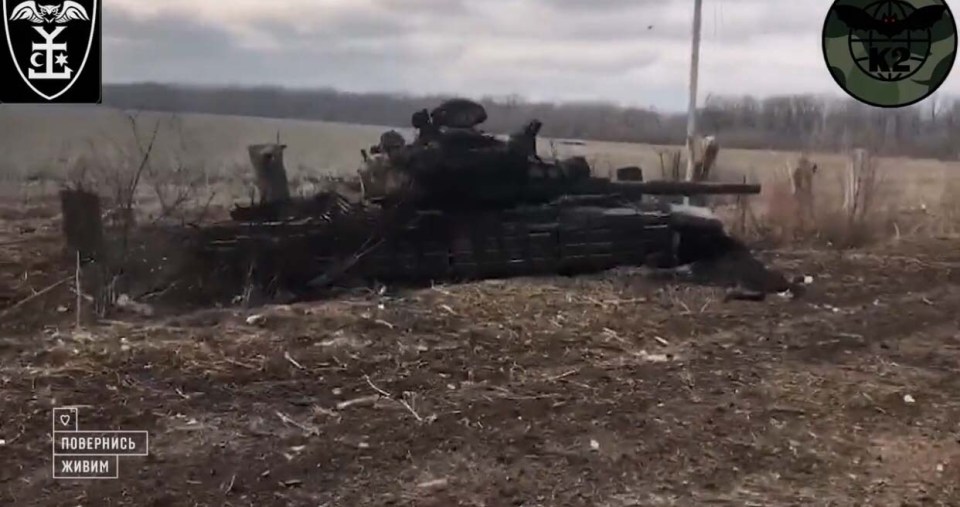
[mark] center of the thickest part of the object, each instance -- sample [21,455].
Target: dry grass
[602,390]
[56,136]
[597,390]
[200,161]
[890,206]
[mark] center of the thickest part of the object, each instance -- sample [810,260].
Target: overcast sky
[633,52]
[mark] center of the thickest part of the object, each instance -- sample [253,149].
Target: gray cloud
[541,49]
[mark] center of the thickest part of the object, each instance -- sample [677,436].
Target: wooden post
[83,232]
[707,152]
[710,148]
[855,171]
[802,179]
[861,185]
[742,207]
[271,176]
[692,107]
[82,224]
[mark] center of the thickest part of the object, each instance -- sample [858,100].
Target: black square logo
[53,52]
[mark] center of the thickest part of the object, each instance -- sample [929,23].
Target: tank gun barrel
[633,189]
[546,191]
[665,187]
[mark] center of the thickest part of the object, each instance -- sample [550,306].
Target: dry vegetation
[208,155]
[611,390]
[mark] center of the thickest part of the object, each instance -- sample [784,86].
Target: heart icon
[64,419]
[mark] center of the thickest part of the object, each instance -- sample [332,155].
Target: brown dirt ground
[608,390]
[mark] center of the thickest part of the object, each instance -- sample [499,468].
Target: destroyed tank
[457,203]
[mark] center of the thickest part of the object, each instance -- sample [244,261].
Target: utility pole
[692,107]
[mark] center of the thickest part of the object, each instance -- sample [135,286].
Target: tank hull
[417,246]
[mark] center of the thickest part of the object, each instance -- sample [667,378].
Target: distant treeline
[798,122]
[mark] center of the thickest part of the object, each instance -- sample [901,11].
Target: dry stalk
[861,221]
[851,219]
[310,430]
[670,169]
[229,486]
[390,397]
[357,401]
[125,190]
[34,296]
[79,290]
[179,185]
[291,360]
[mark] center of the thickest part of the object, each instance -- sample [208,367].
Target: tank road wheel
[666,259]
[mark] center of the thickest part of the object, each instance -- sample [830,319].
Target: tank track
[414,246]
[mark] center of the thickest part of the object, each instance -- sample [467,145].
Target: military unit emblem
[889,53]
[54,47]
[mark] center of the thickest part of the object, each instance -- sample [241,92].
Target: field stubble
[610,389]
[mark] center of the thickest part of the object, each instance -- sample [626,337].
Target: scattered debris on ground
[608,389]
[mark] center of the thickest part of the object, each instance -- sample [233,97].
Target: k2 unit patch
[889,53]
[53,53]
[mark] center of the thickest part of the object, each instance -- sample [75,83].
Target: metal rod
[79,291]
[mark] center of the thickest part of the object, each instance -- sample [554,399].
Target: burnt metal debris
[458,204]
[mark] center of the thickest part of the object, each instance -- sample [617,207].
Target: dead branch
[179,185]
[390,397]
[375,388]
[310,430]
[145,153]
[357,401]
[291,360]
[35,296]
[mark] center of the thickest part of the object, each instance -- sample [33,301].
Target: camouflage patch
[889,53]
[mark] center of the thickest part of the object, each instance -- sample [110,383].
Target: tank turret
[453,164]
